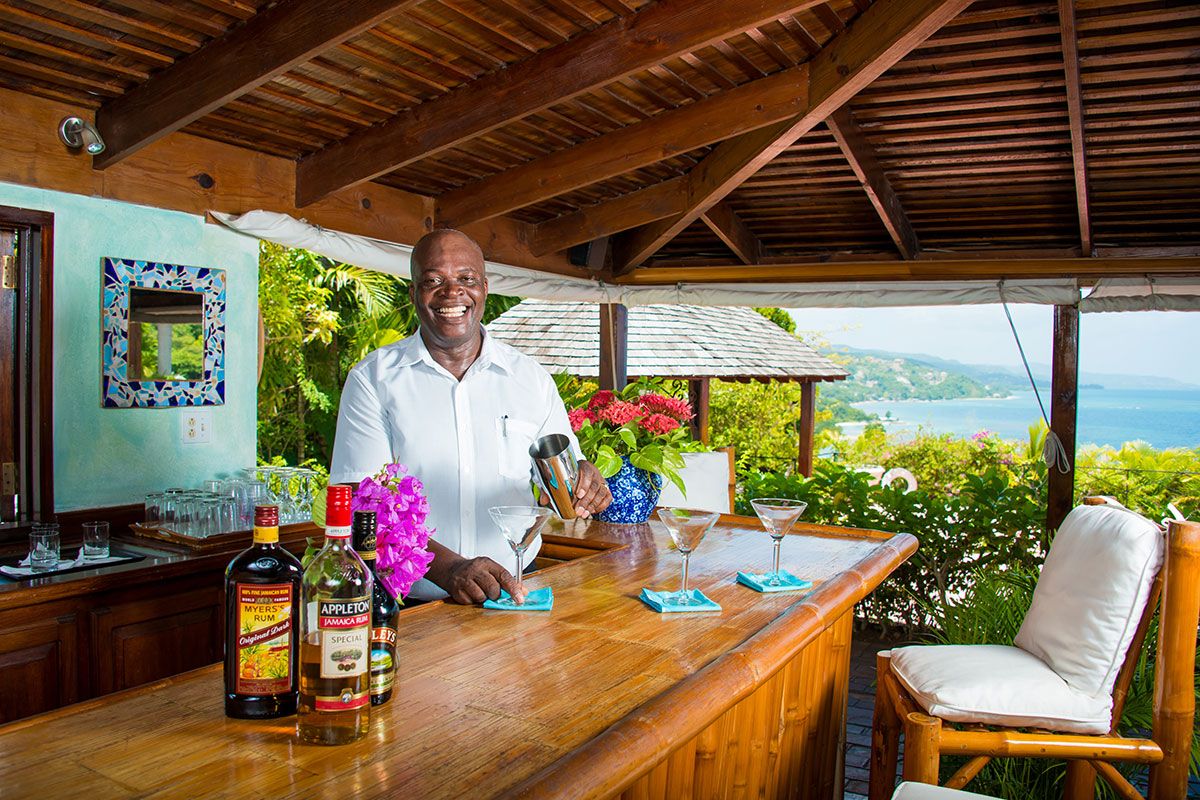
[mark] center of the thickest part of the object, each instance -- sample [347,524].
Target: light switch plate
[196,427]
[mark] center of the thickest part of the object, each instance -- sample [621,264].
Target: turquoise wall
[113,456]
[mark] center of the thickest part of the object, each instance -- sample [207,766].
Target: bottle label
[337,532]
[383,659]
[268,535]
[265,640]
[345,626]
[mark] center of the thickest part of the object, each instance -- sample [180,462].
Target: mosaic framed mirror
[162,335]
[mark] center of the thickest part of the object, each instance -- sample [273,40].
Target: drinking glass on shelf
[95,540]
[44,546]
[154,509]
[212,486]
[687,527]
[778,515]
[520,526]
[251,494]
[287,500]
[304,494]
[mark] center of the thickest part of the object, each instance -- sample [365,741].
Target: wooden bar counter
[601,697]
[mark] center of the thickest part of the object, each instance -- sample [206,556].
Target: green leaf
[627,436]
[607,462]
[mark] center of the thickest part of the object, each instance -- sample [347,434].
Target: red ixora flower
[579,416]
[661,404]
[659,424]
[600,399]
[618,412]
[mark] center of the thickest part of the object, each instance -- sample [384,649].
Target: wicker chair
[1060,690]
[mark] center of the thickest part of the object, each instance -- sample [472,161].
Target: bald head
[432,243]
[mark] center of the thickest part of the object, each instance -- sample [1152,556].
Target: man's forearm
[444,560]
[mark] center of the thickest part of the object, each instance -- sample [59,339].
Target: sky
[1159,343]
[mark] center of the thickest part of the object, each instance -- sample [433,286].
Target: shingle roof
[665,341]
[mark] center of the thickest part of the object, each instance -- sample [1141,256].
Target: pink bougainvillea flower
[659,424]
[600,399]
[619,412]
[401,539]
[579,416]
[671,406]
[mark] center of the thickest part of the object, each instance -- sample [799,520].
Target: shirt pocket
[513,438]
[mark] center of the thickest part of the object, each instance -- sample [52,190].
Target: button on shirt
[467,441]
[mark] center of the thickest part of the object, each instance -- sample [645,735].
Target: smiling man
[460,409]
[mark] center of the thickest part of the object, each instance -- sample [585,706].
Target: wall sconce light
[76,133]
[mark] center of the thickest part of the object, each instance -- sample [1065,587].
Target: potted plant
[635,439]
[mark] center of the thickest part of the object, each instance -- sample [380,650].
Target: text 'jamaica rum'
[335,651]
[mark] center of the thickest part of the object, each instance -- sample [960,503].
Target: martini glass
[520,526]
[687,527]
[778,515]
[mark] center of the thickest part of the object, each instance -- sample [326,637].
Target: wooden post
[698,397]
[1081,780]
[1174,674]
[922,756]
[614,340]
[808,427]
[1064,403]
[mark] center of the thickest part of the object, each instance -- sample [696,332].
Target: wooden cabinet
[38,663]
[147,638]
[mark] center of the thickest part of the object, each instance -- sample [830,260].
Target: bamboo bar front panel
[599,698]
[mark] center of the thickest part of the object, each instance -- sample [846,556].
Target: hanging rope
[1053,452]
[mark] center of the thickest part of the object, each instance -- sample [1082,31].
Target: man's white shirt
[467,441]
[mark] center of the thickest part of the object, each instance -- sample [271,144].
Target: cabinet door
[156,636]
[37,665]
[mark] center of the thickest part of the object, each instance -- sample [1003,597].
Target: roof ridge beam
[1070,50]
[752,105]
[594,58]
[862,159]
[875,41]
[269,44]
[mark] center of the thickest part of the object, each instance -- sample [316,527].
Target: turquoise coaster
[787,582]
[664,602]
[537,600]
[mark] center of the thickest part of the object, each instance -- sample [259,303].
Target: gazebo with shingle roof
[692,343]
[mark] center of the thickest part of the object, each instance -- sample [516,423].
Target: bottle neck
[368,558]
[266,535]
[339,534]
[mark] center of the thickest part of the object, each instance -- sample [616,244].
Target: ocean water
[1163,418]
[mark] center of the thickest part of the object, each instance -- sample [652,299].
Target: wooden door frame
[40,397]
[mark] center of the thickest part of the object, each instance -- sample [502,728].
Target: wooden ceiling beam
[753,105]
[862,159]
[267,45]
[595,58]
[1070,49]
[874,42]
[934,270]
[722,220]
[612,216]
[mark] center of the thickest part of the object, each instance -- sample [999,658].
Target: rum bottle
[384,612]
[262,613]
[335,651]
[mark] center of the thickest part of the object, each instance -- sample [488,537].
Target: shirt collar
[413,350]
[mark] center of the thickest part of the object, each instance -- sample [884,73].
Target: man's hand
[591,492]
[471,580]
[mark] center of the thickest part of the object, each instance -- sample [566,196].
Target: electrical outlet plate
[196,427]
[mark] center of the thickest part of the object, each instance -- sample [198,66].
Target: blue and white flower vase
[635,493]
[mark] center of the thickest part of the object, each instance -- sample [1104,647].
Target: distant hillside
[879,375]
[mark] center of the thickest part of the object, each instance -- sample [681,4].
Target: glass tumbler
[95,540]
[44,546]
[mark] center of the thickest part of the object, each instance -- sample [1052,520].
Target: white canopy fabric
[394,259]
[1151,293]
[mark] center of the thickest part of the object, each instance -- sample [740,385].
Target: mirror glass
[166,335]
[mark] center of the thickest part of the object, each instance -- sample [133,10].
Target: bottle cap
[337,506]
[266,516]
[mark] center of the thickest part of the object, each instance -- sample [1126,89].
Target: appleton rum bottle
[384,610]
[335,651]
[262,614]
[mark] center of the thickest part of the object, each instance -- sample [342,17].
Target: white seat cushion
[923,791]
[1091,594]
[995,684]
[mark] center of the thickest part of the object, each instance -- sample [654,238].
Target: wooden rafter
[881,36]
[862,159]
[1074,86]
[267,45]
[661,31]
[762,102]
[722,220]
[931,270]
[603,219]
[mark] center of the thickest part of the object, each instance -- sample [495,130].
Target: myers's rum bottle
[384,611]
[335,651]
[262,615]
